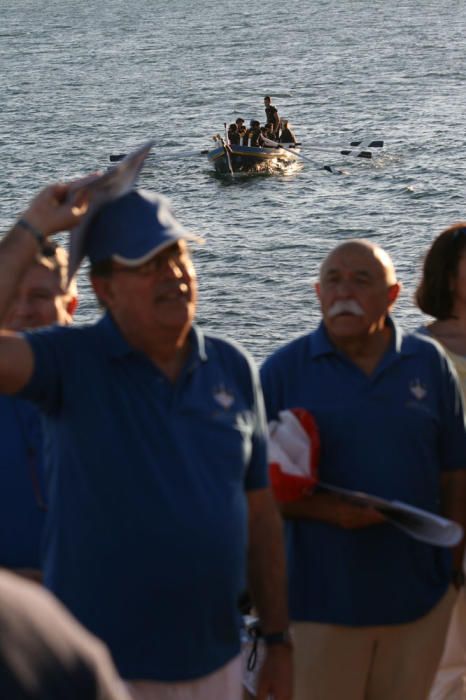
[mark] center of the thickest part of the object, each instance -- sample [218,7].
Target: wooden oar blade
[372,144]
[361,154]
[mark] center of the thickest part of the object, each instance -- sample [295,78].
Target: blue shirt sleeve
[45,387]
[270,374]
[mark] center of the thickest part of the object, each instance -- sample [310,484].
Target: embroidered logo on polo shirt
[417,389]
[223,397]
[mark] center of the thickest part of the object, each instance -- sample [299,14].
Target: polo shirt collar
[118,346]
[115,344]
[320,343]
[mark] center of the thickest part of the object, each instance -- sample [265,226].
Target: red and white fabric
[293,454]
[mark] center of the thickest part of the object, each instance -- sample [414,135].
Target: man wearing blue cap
[156,458]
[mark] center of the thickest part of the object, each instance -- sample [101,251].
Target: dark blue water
[82,80]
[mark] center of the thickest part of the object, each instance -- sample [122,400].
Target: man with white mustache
[369,606]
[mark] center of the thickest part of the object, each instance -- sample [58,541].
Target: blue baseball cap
[133,228]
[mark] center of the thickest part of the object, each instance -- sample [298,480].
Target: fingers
[83,182]
[80,203]
[353,516]
[57,207]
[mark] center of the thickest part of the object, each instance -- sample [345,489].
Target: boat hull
[249,158]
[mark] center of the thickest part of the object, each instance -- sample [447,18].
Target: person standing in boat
[43,298]
[369,605]
[272,117]
[442,295]
[158,501]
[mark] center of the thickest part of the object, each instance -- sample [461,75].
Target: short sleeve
[45,386]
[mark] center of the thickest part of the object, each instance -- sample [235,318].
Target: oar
[362,153]
[227,149]
[300,155]
[182,154]
[371,144]
[343,149]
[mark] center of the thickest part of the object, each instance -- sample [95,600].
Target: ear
[102,287]
[317,289]
[72,305]
[393,292]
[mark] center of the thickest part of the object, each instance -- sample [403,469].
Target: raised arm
[54,209]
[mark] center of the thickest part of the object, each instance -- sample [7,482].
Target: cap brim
[135,262]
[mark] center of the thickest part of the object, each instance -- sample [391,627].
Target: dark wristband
[457,578]
[38,235]
[277,638]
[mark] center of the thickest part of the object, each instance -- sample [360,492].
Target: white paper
[114,183]
[416,522]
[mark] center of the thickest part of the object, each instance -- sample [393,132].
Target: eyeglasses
[459,232]
[154,265]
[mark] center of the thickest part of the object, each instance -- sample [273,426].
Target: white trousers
[223,684]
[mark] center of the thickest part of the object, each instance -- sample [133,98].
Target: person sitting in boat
[233,136]
[287,136]
[267,136]
[271,113]
[253,133]
[242,131]
[241,128]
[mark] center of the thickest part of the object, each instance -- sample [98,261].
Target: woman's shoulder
[450,335]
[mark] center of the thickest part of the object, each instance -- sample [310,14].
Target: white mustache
[345,306]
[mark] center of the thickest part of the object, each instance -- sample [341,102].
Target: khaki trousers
[393,662]
[450,681]
[223,684]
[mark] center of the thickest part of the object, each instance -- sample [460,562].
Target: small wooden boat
[230,158]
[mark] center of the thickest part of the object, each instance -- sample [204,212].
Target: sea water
[80,81]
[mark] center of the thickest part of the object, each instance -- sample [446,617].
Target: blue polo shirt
[390,434]
[22,488]
[147,528]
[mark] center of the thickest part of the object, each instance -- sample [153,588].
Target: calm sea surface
[82,80]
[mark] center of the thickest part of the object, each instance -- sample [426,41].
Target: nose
[344,288]
[174,268]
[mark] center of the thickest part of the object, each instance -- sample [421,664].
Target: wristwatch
[277,638]
[457,578]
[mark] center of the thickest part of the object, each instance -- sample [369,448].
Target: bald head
[357,288]
[369,253]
